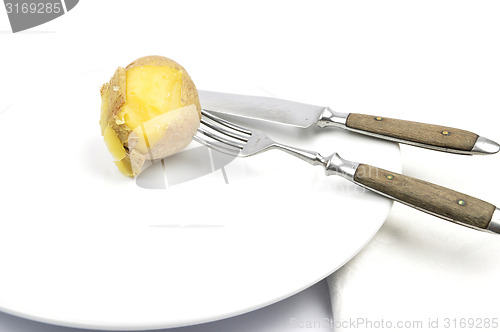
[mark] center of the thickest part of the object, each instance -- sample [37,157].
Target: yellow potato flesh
[125,167]
[114,144]
[151,91]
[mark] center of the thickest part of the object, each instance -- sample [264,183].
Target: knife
[292,113]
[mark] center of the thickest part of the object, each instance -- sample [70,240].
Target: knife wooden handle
[414,133]
[428,197]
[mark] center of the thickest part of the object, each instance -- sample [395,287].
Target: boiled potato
[149,110]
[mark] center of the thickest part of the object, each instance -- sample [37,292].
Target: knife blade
[261,108]
[430,136]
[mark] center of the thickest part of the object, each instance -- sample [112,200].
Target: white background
[434,61]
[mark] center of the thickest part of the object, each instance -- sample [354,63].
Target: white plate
[83,246]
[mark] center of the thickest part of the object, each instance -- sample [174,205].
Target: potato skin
[114,96]
[115,93]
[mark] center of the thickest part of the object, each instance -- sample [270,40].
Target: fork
[229,138]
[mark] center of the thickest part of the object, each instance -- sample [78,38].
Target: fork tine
[220,138]
[222,135]
[219,128]
[216,146]
[226,123]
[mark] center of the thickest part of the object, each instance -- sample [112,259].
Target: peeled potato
[150,110]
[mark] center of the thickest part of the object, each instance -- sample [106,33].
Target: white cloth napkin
[422,273]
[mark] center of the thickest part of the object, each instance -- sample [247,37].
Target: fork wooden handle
[421,134]
[431,198]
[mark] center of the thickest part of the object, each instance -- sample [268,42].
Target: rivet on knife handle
[431,198]
[429,136]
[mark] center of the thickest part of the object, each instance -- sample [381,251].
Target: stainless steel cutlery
[227,137]
[435,137]
[232,139]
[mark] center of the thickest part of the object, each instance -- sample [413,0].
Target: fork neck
[340,166]
[311,157]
